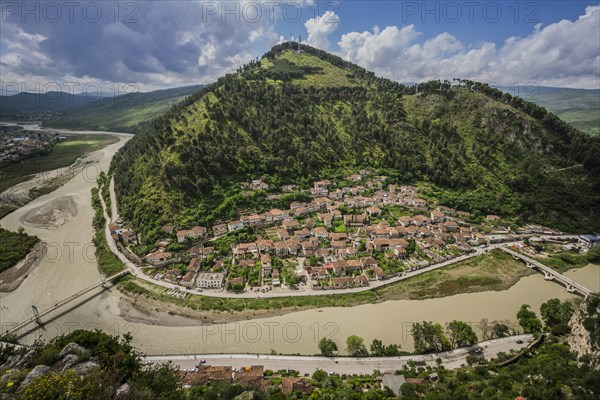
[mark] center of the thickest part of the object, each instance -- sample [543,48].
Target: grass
[108,263]
[494,271]
[62,155]
[564,261]
[14,247]
[329,76]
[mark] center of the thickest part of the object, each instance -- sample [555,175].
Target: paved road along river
[70,266]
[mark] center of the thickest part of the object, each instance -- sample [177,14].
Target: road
[344,365]
[137,272]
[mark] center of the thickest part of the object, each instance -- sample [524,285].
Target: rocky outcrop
[85,368]
[68,362]
[39,370]
[579,339]
[123,390]
[19,361]
[72,348]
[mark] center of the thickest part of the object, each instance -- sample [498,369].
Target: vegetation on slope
[578,107]
[288,120]
[108,263]
[126,113]
[14,246]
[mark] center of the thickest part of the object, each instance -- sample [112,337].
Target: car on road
[519,341]
[200,363]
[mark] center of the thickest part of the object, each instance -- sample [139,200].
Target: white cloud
[319,29]
[172,43]
[565,53]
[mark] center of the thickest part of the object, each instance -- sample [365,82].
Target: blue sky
[157,44]
[476,22]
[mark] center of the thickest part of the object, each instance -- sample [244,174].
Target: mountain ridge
[125,113]
[300,113]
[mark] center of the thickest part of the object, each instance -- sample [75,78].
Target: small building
[159,259]
[129,236]
[197,232]
[293,384]
[235,225]
[265,264]
[210,280]
[189,279]
[588,241]
[356,220]
[220,229]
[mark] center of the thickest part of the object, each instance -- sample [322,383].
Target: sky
[120,47]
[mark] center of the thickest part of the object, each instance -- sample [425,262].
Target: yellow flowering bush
[54,386]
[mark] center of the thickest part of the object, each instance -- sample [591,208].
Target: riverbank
[33,177]
[11,278]
[495,271]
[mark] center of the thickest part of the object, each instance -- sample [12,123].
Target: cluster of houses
[253,376]
[17,143]
[311,229]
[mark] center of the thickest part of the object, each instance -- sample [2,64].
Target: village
[347,236]
[17,143]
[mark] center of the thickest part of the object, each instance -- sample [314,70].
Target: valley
[270,226]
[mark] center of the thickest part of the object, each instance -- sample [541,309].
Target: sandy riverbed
[12,278]
[52,214]
[73,268]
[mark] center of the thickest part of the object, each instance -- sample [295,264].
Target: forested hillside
[130,112]
[301,113]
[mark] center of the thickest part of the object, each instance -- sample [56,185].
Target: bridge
[550,274]
[38,315]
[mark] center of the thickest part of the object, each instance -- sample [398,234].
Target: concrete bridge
[38,315]
[550,274]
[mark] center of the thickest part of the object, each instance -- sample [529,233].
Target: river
[70,266]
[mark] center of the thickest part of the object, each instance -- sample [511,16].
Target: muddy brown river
[70,266]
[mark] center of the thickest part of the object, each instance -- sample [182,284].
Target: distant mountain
[578,107]
[128,113]
[26,104]
[301,114]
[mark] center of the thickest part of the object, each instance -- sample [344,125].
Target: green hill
[25,104]
[578,107]
[126,113]
[301,113]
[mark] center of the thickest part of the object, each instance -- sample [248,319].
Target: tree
[593,255]
[412,246]
[355,345]
[377,348]
[391,350]
[528,320]
[327,347]
[500,330]
[460,334]
[319,375]
[554,312]
[429,336]
[484,328]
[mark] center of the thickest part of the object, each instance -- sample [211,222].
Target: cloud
[153,43]
[565,53]
[319,29]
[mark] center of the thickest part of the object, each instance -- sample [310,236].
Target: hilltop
[300,114]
